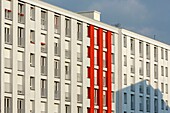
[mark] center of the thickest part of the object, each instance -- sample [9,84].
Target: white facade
[44,63]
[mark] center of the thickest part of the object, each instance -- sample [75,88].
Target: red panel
[91,69]
[108,74]
[100,70]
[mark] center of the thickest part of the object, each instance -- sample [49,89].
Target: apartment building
[57,61]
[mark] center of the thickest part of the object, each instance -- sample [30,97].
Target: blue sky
[147,17]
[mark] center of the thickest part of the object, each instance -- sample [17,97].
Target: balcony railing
[57,95]
[21,42]
[79,98]
[67,96]
[20,89]
[44,70]
[67,54]
[79,58]
[43,92]
[8,63]
[8,39]
[79,77]
[8,88]
[20,66]
[57,74]
[57,51]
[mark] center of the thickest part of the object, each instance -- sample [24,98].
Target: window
[95,37]
[155,105]
[32,104]
[125,98]
[104,98]
[132,69]
[8,105]
[79,109]
[8,38]
[56,24]
[166,54]
[125,60]
[166,71]
[20,37]
[147,69]
[141,103]
[56,69]
[113,96]
[162,104]
[125,41]
[20,105]
[32,37]
[95,97]
[162,87]
[67,92]
[140,49]
[147,104]
[20,58]
[155,71]
[57,48]
[67,108]
[8,59]
[132,102]
[20,86]
[32,13]
[79,31]
[104,39]
[162,70]
[132,46]
[166,86]
[147,51]
[43,88]
[140,67]
[67,71]
[67,49]
[32,60]
[113,58]
[162,53]
[8,14]
[68,27]
[43,65]
[43,43]
[113,38]
[8,82]
[32,83]
[79,94]
[21,13]
[125,79]
[56,90]
[155,54]
[43,20]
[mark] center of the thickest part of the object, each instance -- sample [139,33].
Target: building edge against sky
[57,61]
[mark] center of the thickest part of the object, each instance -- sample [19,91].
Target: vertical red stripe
[108,74]
[91,69]
[100,70]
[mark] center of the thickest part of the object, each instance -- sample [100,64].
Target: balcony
[79,78]
[43,92]
[8,63]
[43,70]
[57,95]
[79,36]
[20,66]
[43,48]
[57,51]
[79,58]
[8,39]
[20,89]
[79,98]
[67,54]
[8,88]
[57,74]
[67,96]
